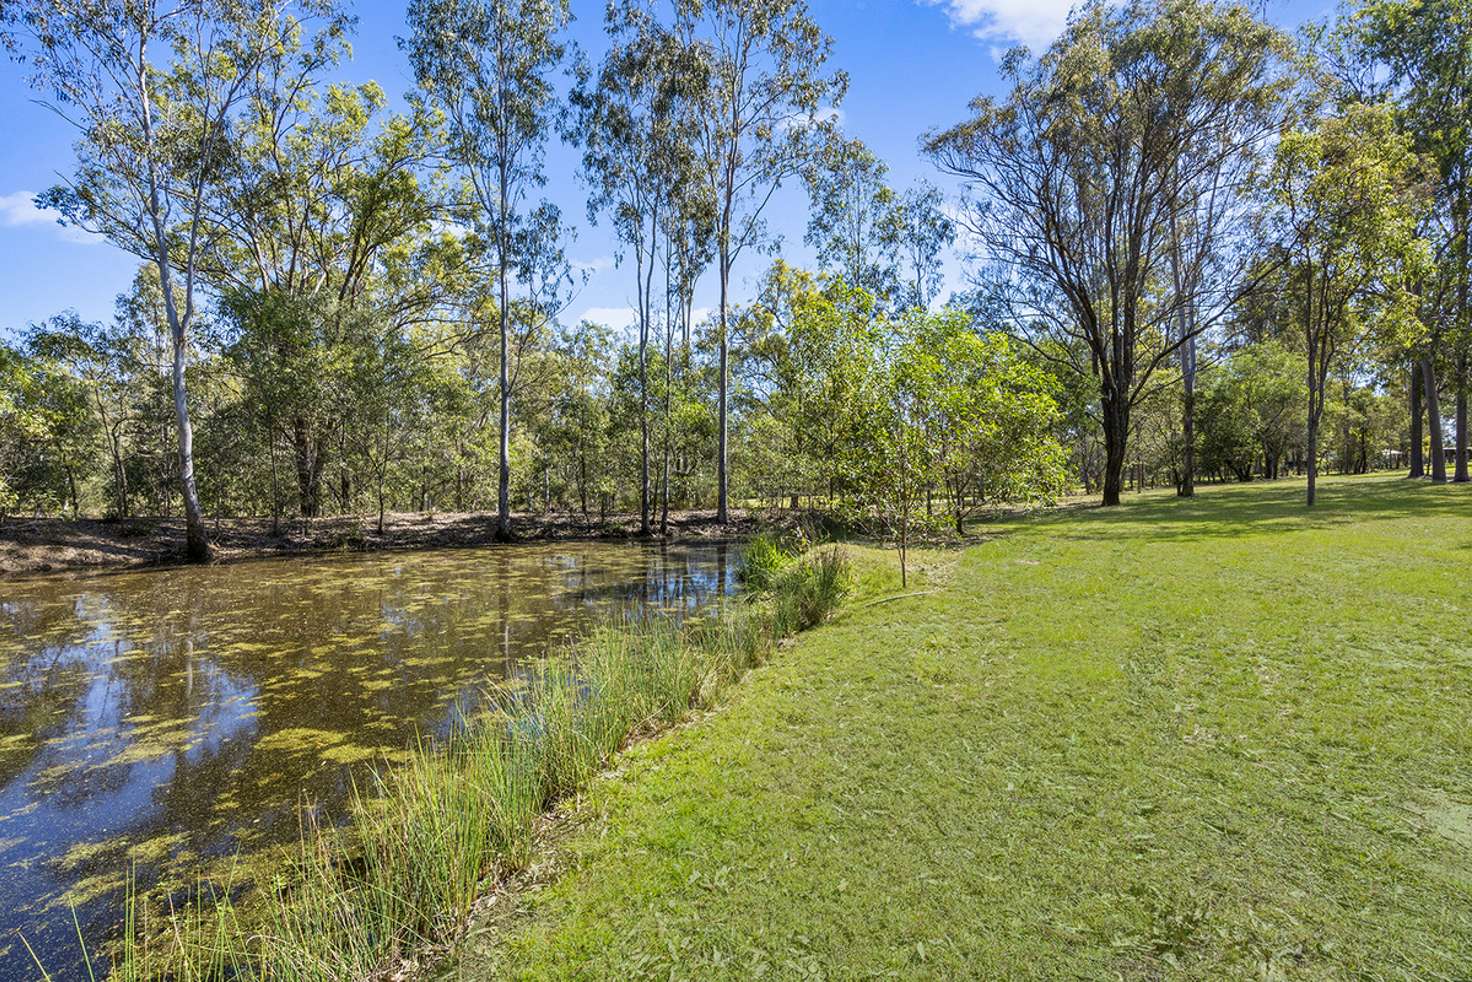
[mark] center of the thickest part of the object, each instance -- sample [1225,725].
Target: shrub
[762,560]
[806,592]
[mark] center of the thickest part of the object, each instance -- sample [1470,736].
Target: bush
[762,560]
[806,592]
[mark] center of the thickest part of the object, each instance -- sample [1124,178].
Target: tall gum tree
[1418,55]
[636,137]
[1139,119]
[488,65]
[763,115]
[1348,196]
[153,87]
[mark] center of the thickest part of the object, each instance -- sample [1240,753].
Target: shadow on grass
[1255,508]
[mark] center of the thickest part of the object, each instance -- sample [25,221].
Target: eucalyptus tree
[153,87]
[1080,172]
[487,65]
[761,119]
[1348,197]
[97,360]
[689,244]
[636,135]
[917,231]
[848,218]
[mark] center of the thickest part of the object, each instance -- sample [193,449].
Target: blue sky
[913,64]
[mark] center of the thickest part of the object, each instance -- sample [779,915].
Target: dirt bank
[43,545]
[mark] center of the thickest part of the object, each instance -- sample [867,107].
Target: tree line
[1196,248]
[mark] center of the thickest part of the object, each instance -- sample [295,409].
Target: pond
[168,720]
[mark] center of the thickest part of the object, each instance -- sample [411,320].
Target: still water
[167,720]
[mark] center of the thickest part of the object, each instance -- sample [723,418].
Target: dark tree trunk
[1116,431]
[1433,421]
[308,468]
[1313,458]
[1187,487]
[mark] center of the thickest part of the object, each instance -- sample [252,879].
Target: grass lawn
[1226,737]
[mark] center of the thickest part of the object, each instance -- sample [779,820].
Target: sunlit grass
[1223,738]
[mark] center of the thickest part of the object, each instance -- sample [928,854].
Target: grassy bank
[1220,738]
[428,838]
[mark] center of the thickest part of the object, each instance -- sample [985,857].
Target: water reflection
[171,717]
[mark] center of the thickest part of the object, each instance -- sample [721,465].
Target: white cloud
[1032,22]
[824,114]
[618,318]
[18,209]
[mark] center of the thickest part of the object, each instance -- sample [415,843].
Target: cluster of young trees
[890,417]
[1200,248]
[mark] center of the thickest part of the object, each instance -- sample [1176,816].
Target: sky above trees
[913,65]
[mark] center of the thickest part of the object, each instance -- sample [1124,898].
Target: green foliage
[763,558]
[869,415]
[849,222]
[1350,195]
[1250,407]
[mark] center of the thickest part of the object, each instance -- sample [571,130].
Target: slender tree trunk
[645,287]
[1433,421]
[1460,231]
[722,478]
[1188,423]
[1186,487]
[1313,456]
[275,477]
[503,484]
[669,338]
[119,471]
[308,469]
[197,544]
[1418,463]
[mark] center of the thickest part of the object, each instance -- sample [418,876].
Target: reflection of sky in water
[170,717]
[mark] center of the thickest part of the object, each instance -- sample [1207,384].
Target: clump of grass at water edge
[396,883]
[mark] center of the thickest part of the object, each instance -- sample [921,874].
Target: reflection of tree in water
[44,672]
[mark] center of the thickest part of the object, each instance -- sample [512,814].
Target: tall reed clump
[762,560]
[427,838]
[805,593]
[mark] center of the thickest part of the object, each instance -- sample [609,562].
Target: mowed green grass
[1220,738]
